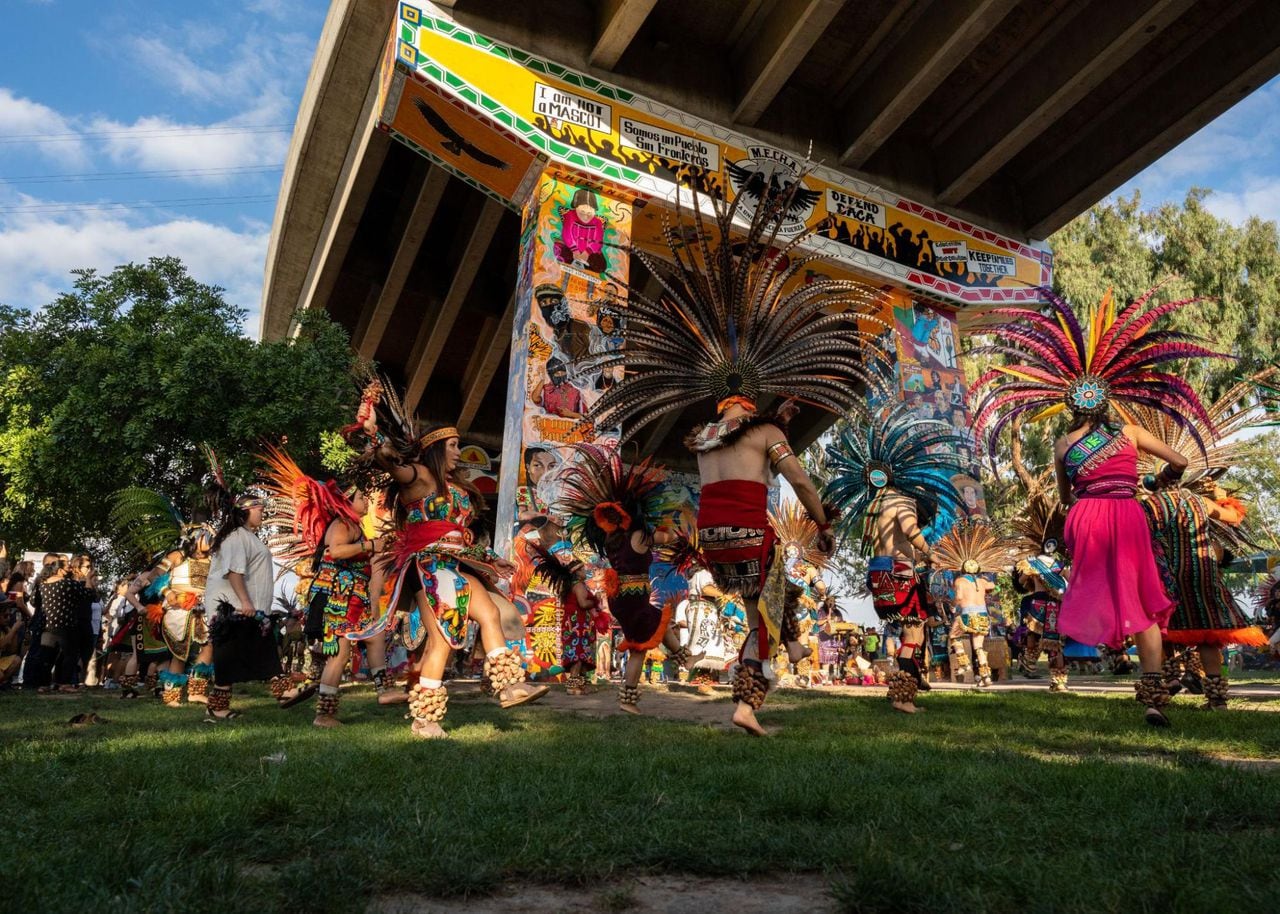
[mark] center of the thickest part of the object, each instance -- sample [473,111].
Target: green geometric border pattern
[411,56]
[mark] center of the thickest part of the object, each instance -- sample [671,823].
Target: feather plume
[794,527]
[146,522]
[1044,518]
[916,457]
[976,540]
[597,476]
[300,508]
[1115,359]
[734,317]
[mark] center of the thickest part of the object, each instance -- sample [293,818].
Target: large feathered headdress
[146,522]
[794,527]
[735,319]
[300,507]
[601,496]
[892,449]
[1268,598]
[1111,360]
[1211,447]
[1042,521]
[974,547]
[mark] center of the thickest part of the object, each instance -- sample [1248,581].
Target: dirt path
[643,895]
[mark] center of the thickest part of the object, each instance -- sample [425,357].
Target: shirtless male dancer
[734,531]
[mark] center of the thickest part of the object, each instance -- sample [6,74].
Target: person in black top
[65,604]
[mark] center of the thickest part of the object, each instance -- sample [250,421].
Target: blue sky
[148,102]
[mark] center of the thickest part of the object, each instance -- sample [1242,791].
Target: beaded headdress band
[440,434]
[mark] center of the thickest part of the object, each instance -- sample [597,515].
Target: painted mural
[634,142]
[931,379]
[571,314]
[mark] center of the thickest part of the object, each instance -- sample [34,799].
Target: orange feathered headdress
[301,508]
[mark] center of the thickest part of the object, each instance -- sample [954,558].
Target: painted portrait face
[539,463]
[586,212]
[607,323]
[970,496]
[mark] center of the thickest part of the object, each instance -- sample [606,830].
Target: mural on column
[570,318]
[931,379]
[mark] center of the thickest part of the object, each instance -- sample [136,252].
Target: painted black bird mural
[754,182]
[453,141]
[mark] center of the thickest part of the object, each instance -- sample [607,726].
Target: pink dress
[1115,589]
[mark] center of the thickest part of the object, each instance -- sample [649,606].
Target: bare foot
[797,651]
[198,699]
[906,707]
[393,697]
[428,729]
[629,708]
[745,718]
[327,721]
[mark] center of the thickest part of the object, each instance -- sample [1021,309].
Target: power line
[147,132]
[141,175]
[52,208]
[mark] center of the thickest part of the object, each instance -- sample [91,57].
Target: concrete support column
[570,306]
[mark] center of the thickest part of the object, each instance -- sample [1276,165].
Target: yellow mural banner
[636,143]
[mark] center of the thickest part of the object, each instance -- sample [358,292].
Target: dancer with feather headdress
[798,538]
[734,322]
[437,565]
[973,553]
[319,528]
[890,478]
[168,624]
[615,510]
[1041,577]
[1195,523]
[1107,365]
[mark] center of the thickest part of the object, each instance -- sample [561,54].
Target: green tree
[117,381]
[1118,244]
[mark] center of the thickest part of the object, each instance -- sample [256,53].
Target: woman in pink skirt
[1116,591]
[1054,363]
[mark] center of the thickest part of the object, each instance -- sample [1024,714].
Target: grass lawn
[987,802]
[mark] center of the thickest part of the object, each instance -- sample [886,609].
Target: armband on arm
[778,453]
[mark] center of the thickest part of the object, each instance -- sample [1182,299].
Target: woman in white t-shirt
[238,598]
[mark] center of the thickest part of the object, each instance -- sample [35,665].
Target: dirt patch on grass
[642,895]
[1249,764]
[667,701]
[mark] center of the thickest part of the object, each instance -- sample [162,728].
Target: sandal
[533,694]
[211,718]
[304,692]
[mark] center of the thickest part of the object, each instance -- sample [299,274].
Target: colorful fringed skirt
[1205,612]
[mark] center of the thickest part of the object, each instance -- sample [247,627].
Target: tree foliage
[1118,244]
[118,380]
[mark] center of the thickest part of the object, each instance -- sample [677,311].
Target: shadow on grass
[985,802]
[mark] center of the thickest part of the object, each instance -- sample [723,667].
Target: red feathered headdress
[301,508]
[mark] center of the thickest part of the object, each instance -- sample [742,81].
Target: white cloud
[143,146]
[276,9]
[1242,142]
[22,117]
[37,254]
[1261,198]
